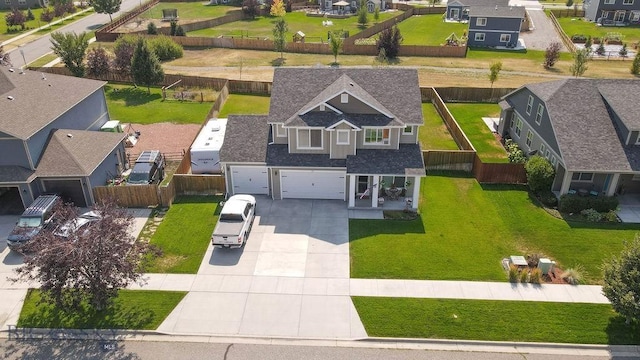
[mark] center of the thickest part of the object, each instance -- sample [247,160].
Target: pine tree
[145,67]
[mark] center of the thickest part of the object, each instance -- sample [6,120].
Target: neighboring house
[491,26]
[458,10]
[50,140]
[22,4]
[342,6]
[347,134]
[612,12]
[589,130]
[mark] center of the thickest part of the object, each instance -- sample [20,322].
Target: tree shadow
[66,349]
[278,62]
[365,228]
[132,96]
[620,333]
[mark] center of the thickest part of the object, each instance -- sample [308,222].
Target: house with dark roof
[458,10]
[351,6]
[492,26]
[588,129]
[612,12]
[347,134]
[22,4]
[50,137]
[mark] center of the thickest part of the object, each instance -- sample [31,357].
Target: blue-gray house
[492,26]
[22,4]
[458,10]
[588,129]
[612,12]
[50,138]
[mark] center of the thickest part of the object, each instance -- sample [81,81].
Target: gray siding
[15,4]
[409,138]
[591,9]
[293,143]
[341,151]
[16,148]
[108,169]
[354,106]
[277,139]
[495,27]
[594,9]
[623,131]
[519,103]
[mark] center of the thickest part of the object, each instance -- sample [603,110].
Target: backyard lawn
[262,27]
[469,117]
[575,26]
[132,309]
[240,104]
[184,234]
[135,105]
[494,320]
[464,231]
[429,30]
[434,135]
[189,10]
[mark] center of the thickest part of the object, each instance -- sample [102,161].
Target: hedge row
[574,203]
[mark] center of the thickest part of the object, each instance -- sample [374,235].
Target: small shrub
[536,276]
[152,29]
[623,51]
[180,31]
[515,154]
[540,173]
[576,203]
[30,15]
[174,26]
[611,216]
[591,215]
[513,273]
[573,276]
[548,198]
[578,38]
[600,50]
[524,276]
[165,48]
[533,259]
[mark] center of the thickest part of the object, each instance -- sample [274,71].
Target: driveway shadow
[13,258]
[66,349]
[225,257]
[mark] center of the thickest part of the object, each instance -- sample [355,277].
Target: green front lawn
[184,234]
[297,21]
[135,105]
[132,309]
[494,320]
[575,26]
[429,30]
[464,231]
[189,10]
[469,117]
[241,104]
[434,135]
[35,23]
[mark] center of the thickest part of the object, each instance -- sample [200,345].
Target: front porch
[386,192]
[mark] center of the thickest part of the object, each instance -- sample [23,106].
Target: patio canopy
[341,3]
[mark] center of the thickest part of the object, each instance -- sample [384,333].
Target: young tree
[600,50]
[91,264]
[180,31]
[277,8]
[540,173]
[106,7]
[145,67]
[152,29]
[279,36]
[250,8]
[123,49]
[71,47]
[635,65]
[494,70]
[98,62]
[363,15]
[30,15]
[622,281]
[588,43]
[580,60]
[390,40]
[335,42]
[174,27]
[59,9]
[15,18]
[376,14]
[552,54]
[47,16]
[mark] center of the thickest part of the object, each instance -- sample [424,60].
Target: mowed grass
[495,320]
[189,10]
[577,26]
[35,23]
[136,105]
[469,117]
[464,231]
[262,26]
[434,135]
[241,104]
[428,30]
[184,234]
[132,309]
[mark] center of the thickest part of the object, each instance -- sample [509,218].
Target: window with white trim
[529,138]
[342,137]
[309,138]
[529,105]
[539,114]
[408,130]
[553,160]
[281,131]
[377,136]
[481,22]
[542,148]
[513,119]
[344,98]
[582,176]
[7,2]
[505,37]
[519,127]
[546,154]
[627,2]
[479,37]
[328,4]
[609,2]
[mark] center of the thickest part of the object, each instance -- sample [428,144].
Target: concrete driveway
[291,279]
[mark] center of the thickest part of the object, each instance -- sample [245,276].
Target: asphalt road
[89,349]
[42,46]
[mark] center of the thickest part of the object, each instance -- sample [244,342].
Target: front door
[363,185]
[454,14]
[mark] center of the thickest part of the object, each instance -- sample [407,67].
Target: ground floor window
[505,37]
[582,176]
[479,37]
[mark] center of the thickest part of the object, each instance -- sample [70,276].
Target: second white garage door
[313,184]
[250,179]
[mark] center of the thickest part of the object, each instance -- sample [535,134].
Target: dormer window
[376,136]
[344,98]
[408,130]
[342,137]
[310,139]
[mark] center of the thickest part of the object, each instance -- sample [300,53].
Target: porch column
[375,190]
[566,182]
[614,184]
[416,192]
[352,190]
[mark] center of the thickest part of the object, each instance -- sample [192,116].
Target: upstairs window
[609,2]
[309,138]
[542,148]
[344,98]
[529,105]
[481,22]
[627,2]
[342,137]
[408,130]
[529,138]
[519,127]
[539,114]
[376,136]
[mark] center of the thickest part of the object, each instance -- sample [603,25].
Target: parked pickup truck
[234,223]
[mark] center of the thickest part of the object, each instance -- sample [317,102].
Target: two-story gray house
[612,12]
[345,7]
[458,10]
[589,129]
[22,4]
[493,26]
[347,134]
[50,140]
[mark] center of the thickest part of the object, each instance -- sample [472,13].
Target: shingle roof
[37,101]
[623,97]
[14,174]
[497,11]
[76,152]
[245,139]
[484,2]
[407,160]
[278,155]
[327,119]
[396,89]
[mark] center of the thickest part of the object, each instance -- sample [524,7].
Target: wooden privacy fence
[464,94]
[565,38]
[457,160]
[136,195]
[456,132]
[187,184]
[502,173]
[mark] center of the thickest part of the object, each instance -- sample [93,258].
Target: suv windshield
[29,221]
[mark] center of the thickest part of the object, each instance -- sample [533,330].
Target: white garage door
[250,180]
[313,184]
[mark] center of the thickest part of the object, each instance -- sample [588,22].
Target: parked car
[38,216]
[148,169]
[235,222]
[81,222]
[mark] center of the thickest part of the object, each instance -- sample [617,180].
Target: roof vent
[10,97]
[351,84]
[496,7]
[43,77]
[11,70]
[69,135]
